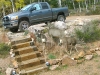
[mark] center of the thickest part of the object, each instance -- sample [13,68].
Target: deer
[69,43]
[63,38]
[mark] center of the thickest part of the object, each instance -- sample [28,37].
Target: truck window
[26,7]
[44,6]
[37,6]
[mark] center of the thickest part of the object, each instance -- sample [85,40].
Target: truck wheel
[61,18]
[14,29]
[23,25]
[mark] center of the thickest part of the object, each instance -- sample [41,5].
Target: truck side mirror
[33,8]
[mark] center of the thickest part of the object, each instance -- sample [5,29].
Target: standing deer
[56,33]
[68,42]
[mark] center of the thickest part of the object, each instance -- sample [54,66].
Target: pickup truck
[38,12]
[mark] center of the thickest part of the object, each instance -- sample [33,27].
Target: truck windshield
[26,7]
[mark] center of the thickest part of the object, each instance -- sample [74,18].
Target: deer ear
[36,30]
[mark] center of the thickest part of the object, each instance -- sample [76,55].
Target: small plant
[95,55]
[4,49]
[51,56]
[96,60]
[26,32]
[90,32]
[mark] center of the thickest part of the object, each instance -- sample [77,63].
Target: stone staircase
[29,59]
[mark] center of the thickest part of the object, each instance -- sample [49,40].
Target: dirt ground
[91,67]
[87,67]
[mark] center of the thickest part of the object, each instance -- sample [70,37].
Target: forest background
[76,7]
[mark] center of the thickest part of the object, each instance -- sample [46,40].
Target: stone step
[27,56]
[29,63]
[21,45]
[25,50]
[33,70]
[17,41]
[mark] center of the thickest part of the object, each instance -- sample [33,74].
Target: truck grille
[6,18]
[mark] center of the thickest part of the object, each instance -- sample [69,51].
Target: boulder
[54,61]
[88,52]
[76,57]
[60,25]
[68,61]
[80,61]
[88,57]
[92,50]
[97,49]
[81,54]
[8,71]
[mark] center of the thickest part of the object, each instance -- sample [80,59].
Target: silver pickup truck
[39,12]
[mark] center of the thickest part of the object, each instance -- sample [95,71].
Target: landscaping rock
[88,52]
[88,57]
[92,50]
[80,61]
[53,67]
[76,57]
[97,49]
[68,61]
[81,54]
[8,71]
[54,61]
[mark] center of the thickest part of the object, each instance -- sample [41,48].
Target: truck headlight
[14,18]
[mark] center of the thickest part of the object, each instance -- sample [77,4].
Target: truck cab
[39,12]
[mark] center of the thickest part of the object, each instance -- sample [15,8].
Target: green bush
[26,32]
[4,49]
[94,12]
[51,56]
[90,32]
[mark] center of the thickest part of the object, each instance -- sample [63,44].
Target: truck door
[36,15]
[46,11]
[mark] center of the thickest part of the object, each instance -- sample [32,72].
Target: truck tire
[23,25]
[14,30]
[61,18]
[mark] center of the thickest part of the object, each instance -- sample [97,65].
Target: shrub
[26,32]
[51,56]
[90,32]
[94,12]
[4,49]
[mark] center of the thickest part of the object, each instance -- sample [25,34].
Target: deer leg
[71,48]
[76,49]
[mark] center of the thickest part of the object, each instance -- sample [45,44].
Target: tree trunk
[12,5]
[59,3]
[86,5]
[79,7]
[73,4]
[3,10]
[94,5]
[83,6]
